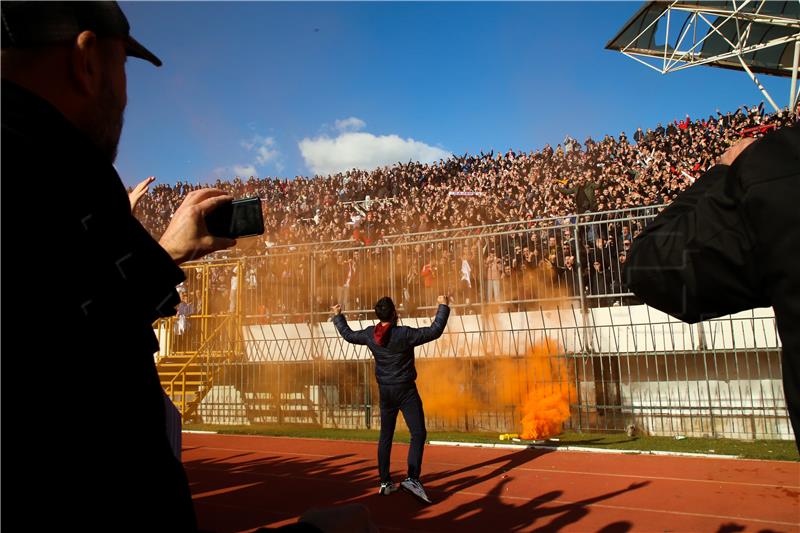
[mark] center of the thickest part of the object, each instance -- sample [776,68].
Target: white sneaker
[386,488]
[415,487]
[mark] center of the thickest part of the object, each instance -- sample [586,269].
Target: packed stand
[472,190]
[549,190]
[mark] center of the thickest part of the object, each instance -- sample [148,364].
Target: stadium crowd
[363,207]
[616,173]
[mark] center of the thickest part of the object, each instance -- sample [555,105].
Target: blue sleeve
[423,335]
[353,337]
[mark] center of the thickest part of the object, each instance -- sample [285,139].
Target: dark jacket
[91,410]
[394,362]
[584,196]
[731,242]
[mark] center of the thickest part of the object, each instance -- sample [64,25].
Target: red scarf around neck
[381,333]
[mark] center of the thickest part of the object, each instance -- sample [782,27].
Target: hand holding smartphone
[239,218]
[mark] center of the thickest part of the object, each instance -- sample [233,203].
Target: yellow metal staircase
[187,376]
[192,360]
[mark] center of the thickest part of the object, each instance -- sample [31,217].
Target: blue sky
[286,89]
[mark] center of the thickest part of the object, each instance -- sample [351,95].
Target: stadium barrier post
[578,251]
[793,88]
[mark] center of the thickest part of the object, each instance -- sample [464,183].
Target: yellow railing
[175,373]
[177,384]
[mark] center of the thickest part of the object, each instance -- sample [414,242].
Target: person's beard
[105,121]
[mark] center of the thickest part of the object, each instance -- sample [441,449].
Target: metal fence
[537,306]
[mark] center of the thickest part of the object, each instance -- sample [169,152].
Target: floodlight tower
[748,35]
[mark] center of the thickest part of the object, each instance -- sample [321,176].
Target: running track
[243,482]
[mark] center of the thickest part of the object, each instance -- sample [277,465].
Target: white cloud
[325,155]
[244,171]
[263,147]
[349,124]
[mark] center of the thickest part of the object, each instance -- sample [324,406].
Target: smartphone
[239,218]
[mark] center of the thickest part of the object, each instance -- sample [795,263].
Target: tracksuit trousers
[403,398]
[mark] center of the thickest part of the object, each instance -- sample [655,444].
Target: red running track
[240,483]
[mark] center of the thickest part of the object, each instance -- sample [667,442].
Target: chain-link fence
[540,311]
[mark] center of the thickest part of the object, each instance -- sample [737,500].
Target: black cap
[28,24]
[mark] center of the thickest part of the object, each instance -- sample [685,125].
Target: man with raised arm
[730,242]
[392,346]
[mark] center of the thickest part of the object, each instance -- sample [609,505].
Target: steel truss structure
[748,35]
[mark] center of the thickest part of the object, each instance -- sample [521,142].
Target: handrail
[170,386]
[632,213]
[200,349]
[530,221]
[522,289]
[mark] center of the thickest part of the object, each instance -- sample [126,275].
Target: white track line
[520,498]
[525,469]
[577,449]
[642,509]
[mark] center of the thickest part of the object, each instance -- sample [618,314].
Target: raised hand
[139,191]
[733,152]
[187,238]
[443,300]
[337,309]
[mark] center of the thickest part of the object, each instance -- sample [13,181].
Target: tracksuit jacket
[394,360]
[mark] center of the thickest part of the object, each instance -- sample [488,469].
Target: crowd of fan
[511,271]
[535,260]
[472,190]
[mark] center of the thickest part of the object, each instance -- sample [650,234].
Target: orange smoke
[547,404]
[445,389]
[536,388]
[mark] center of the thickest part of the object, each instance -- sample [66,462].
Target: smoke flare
[547,404]
[537,387]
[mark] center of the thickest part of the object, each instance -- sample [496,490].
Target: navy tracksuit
[396,375]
